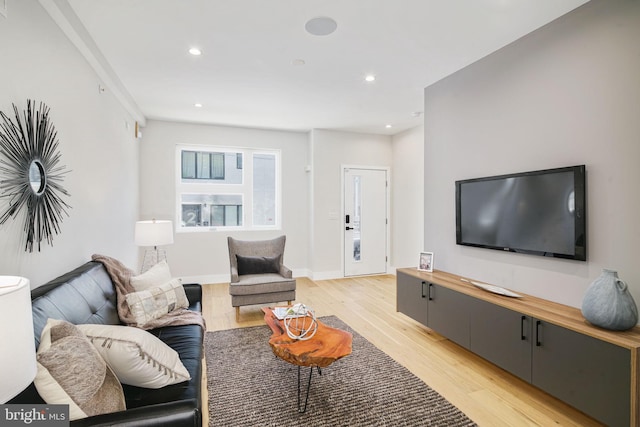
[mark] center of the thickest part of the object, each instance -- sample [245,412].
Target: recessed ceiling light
[321,26]
[388,126]
[369,78]
[197,105]
[298,62]
[195,51]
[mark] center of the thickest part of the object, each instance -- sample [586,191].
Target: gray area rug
[249,386]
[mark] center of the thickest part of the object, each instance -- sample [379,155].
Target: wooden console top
[559,314]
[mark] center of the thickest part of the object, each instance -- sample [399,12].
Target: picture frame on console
[426,261]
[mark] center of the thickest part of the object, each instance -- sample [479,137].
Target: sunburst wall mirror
[31,174]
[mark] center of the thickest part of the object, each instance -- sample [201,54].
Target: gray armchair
[257,273]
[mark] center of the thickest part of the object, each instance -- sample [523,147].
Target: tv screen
[540,213]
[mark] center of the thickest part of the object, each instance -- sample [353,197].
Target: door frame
[387,169]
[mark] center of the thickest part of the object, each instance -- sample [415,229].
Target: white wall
[331,150]
[39,62]
[407,198]
[204,256]
[566,94]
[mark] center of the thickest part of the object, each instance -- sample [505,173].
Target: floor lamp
[153,233]
[18,349]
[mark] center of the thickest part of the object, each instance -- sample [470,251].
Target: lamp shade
[18,350]
[153,233]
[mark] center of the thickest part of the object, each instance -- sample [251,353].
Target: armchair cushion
[252,284]
[258,264]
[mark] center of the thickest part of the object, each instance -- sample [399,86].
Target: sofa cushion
[154,303]
[156,276]
[257,264]
[187,341]
[71,372]
[136,357]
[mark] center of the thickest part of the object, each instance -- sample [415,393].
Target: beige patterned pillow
[154,303]
[136,356]
[71,372]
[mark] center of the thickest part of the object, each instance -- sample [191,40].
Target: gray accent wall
[566,94]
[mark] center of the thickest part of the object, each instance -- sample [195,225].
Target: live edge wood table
[325,347]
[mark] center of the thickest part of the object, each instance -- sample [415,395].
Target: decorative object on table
[153,233]
[300,322]
[426,261]
[609,304]
[17,352]
[31,174]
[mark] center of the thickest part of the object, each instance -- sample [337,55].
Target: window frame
[214,186]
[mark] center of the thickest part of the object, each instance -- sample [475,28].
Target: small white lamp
[18,349]
[153,233]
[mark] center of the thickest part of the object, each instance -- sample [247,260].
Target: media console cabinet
[547,344]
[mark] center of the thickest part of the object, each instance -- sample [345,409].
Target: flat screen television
[540,213]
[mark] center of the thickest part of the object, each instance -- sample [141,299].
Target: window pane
[203,167]
[217,165]
[188,164]
[356,217]
[264,189]
[191,215]
[232,175]
[231,215]
[217,216]
[211,210]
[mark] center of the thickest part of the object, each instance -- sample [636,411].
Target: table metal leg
[302,409]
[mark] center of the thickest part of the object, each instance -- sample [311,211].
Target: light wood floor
[487,394]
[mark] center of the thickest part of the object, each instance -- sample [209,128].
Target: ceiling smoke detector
[321,26]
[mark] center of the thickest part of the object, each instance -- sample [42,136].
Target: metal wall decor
[31,174]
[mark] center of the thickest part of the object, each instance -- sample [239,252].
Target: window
[227,188]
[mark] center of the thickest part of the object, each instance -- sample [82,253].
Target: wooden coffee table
[325,347]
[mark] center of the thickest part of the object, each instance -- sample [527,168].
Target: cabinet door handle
[522,335]
[423,293]
[430,287]
[538,343]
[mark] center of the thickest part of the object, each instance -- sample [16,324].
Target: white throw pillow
[154,303]
[71,372]
[137,357]
[156,276]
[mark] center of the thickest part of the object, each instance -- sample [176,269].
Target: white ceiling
[246,75]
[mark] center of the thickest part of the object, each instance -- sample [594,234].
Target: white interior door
[365,221]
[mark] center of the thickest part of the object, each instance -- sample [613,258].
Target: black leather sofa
[87,295]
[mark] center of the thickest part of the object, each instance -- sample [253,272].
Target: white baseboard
[300,272]
[207,279]
[326,275]
[226,278]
